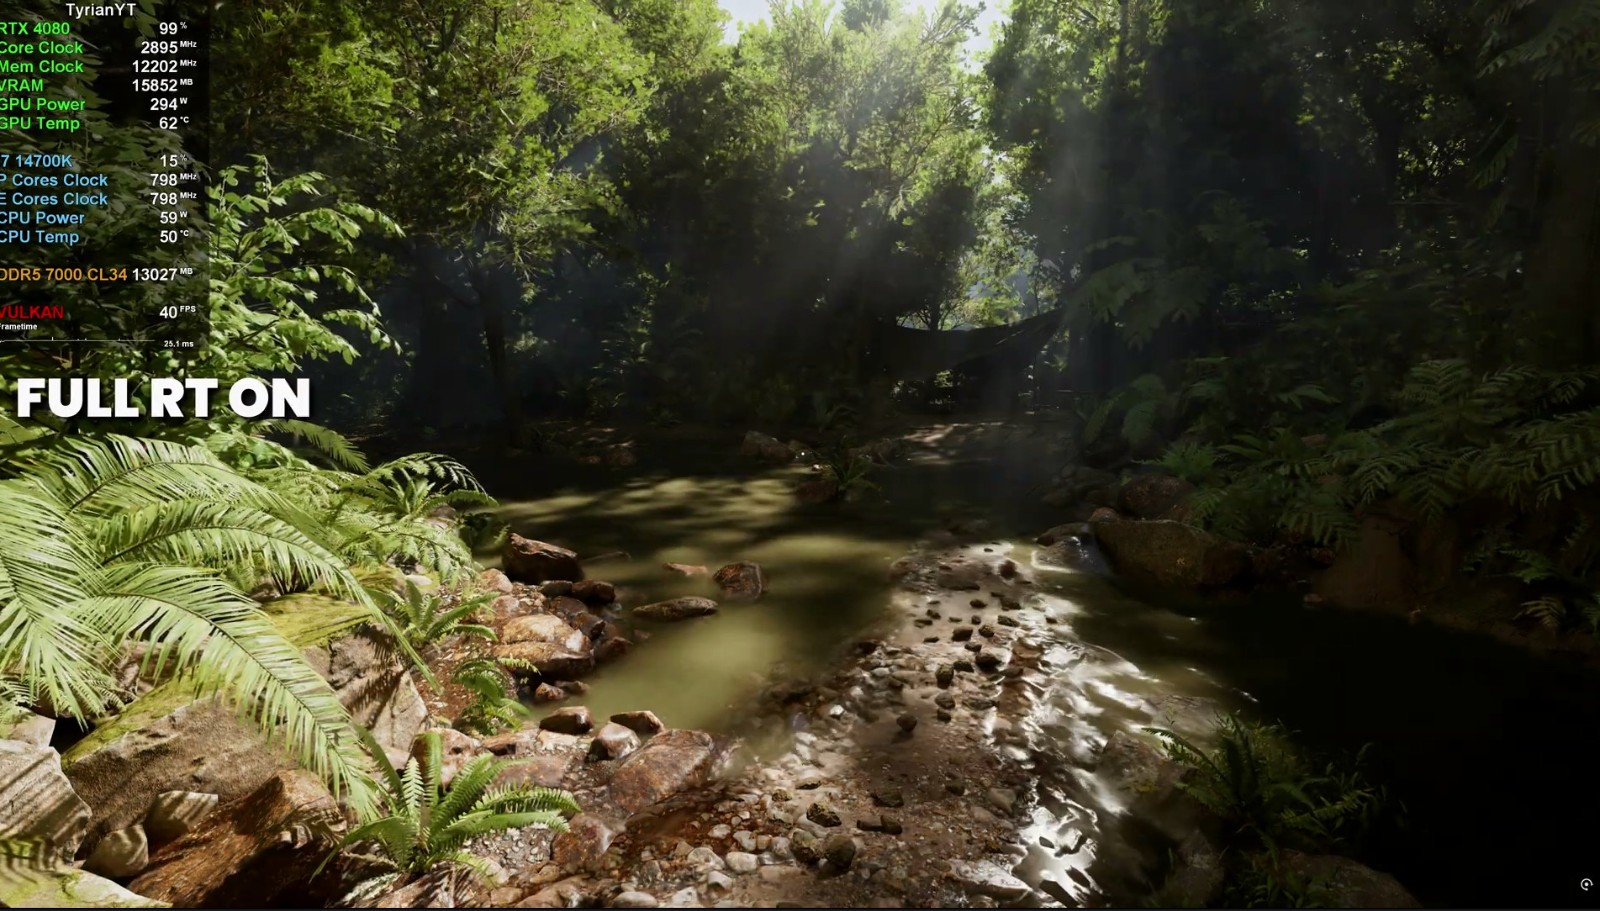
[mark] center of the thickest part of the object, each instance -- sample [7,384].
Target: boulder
[66,887]
[642,722]
[1072,531]
[547,771]
[593,591]
[259,851]
[34,729]
[676,609]
[456,752]
[1197,877]
[39,800]
[175,814]
[612,645]
[574,719]
[1347,884]
[586,840]
[169,741]
[669,764]
[613,741]
[532,562]
[742,581]
[767,449]
[1172,554]
[493,580]
[1152,496]
[120,854]
[543,628]
[1374,573]
[367,672]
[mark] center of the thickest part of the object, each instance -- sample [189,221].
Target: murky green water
[1486,746]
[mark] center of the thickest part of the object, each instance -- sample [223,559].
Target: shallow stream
[1485,745]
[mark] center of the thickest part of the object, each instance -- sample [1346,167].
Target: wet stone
[823,815]
[839,851]
[963,634]
[888,799]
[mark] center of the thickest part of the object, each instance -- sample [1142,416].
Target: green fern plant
[489,680]
[107,543]
[1256,784]
[423,825]
[850,471]
[424,620]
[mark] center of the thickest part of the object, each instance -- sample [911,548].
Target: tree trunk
[496,293]
[1564,266]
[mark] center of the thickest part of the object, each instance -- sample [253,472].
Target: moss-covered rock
[167,740]
[65,887]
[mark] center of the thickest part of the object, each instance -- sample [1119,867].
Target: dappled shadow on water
[826,564]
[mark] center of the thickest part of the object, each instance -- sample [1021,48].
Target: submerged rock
[676,609]
[529,561]
[742,581]
[684,569]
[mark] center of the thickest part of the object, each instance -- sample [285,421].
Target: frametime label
[103,112]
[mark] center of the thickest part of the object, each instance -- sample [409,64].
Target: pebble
[745,839]
[888,798]
[945,676]
[1004,799]
[721,831]
[839,851]
[742,862]
[780,848]
[822,814]
[635,900]
[907,723]
[705,857]
[718,881]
